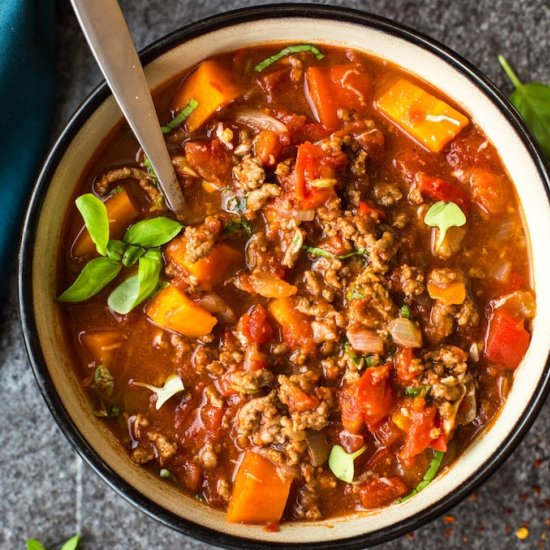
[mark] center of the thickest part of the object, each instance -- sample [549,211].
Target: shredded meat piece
[260,422]
[165,448]
[249,174]
[200,240]
[259,197]
[387,194]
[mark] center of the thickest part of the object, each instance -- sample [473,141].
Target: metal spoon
[110,40]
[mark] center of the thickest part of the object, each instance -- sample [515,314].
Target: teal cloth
[27,77]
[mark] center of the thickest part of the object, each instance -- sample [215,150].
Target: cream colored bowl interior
[414,59]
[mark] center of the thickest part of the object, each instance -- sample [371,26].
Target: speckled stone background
[45,489]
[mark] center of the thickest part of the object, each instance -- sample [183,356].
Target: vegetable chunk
[212,86]
[102,344]
[507,340]
[260,492]
[121,212]
[424,117]
[172,310]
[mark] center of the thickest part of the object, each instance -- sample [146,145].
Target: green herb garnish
[341,463]
[428,476]
[371,361]
[134,290]
[288,51]
[533,103]
[150,170]
[104,382]
[181,116]
[232,226]
[71,544]
[444,215]
[95,275]
[417,391]
[315,251]
[172,385]
[165,473]
[140,244]
[405,311]
[96,220]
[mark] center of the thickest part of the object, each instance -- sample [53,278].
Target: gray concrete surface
[48,493]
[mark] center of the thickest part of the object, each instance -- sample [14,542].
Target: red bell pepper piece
[418,435]
[442,190]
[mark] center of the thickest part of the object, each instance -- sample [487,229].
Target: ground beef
[387,194]
[251,382]
[165,448]
[249,174]
[259,197]
[200,240]
[411,280]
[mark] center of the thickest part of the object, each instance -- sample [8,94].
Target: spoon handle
[111,43]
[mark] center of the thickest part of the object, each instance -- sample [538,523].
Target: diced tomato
[506,340]
[255,326]
[515,282]
[388,434]
[351,414]
[489,190]
[267,147]
[312,131]
[442,190]
[381,491]
[211,160]
[368,210]
[439,444]
[297,400]
[418,434]
[338,87]
[254,359]
[375,395]
[211,417]
[312,163]
[351,442]
[404,366]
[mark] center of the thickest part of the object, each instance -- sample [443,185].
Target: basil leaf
[428,476]
[238,225]
[533,103]
[417,391]
[132,254]
[97,274]
[137,288]
[314,251]
[96,220]
[172,386]
[287,51]
[72,543]
[183,114]
[115,250]
[341,463]
[152,232]
[444,215]
[33,544]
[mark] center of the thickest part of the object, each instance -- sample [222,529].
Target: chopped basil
[71,544]
[417,391]
[371,361]
[150,170]
[232,226]
[444,215]
[134,290]
[96,220]
[152,232]
[354,293]
[181,116]
[405,311]
[33,544]
[314,251]
[172,385]
[288,51]
[428,476]
[95,275]
[341,463]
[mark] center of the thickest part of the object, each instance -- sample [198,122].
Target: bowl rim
[30,224]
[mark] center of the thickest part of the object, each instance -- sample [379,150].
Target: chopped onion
[405,333]
[271,286]
[469,406]
[288,472]
[365,340]
[295,214]
[474,352]
[502,272]
[323,183]
[255,118]
[318,447]
[507,229]
[215,305]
